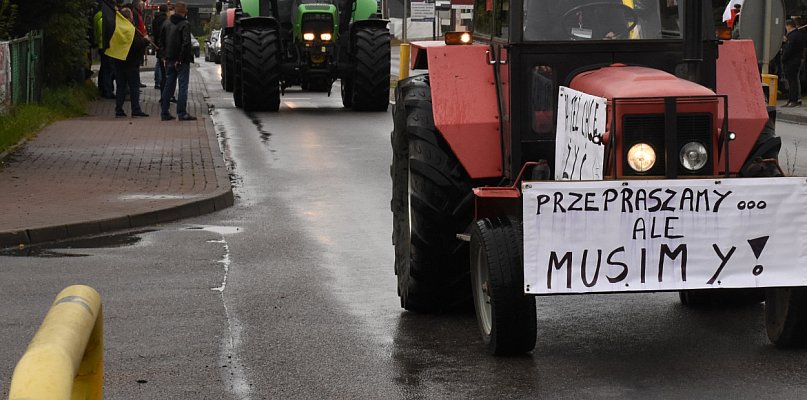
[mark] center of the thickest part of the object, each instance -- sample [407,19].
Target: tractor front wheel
[785,319]
[260,69]
[431,203]
[347,92]
[370,80]
[506,317]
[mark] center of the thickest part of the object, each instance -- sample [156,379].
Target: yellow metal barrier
[773,87]
[65,359]
[404,65]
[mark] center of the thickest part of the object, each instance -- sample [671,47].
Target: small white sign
[421,11]
[618,236]
[580,127]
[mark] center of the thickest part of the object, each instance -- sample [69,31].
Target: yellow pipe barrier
[65,359]
[403,68]
[773,87]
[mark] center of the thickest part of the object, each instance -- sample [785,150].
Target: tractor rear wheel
[227,63]
[260,69]
[506,317]
[431,203]
[370,81]
[785,318]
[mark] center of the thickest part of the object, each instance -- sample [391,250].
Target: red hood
[619,80]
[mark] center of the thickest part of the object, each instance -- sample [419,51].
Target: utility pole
[766,41]
[403,23]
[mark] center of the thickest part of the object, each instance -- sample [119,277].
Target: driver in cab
[578,19]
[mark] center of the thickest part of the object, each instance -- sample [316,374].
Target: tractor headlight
[693,156]
[308,36]
[325,37]
[641,157]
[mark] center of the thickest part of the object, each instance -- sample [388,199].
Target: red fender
[464,103]
[228,18]
[739,78]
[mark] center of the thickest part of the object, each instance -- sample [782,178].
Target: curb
[219,200]
[792,118]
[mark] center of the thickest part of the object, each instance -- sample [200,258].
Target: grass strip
[24,121]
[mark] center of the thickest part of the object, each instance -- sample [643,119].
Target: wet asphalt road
[291,294]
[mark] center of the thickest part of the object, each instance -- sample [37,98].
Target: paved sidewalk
[99,173]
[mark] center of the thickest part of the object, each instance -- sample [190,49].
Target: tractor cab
[609,49]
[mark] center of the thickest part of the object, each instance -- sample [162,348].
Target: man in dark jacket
[127,74]
[792,56]
[156,34]
[178,60]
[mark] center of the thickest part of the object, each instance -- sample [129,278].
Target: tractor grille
[317,23]
[649,128]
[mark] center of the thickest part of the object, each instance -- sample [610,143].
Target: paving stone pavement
[99,173]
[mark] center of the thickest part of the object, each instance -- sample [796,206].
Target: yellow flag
[122,38]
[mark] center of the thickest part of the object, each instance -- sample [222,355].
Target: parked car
[213,47]
[195,45]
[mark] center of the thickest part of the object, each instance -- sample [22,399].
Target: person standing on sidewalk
[127,73]
[178,60]
[792,56]
[106,85]
[156,34]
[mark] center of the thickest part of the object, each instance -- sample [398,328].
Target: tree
[8,13]
[66,24]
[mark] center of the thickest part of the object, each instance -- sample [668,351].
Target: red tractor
[571,147]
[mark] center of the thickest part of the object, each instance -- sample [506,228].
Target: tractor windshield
[601,20]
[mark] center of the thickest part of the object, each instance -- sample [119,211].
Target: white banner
[578,146]
[617,236]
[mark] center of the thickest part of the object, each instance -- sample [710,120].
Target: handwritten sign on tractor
[578,145]
[614,236]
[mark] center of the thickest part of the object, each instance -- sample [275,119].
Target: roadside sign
[422,11]
[648,235]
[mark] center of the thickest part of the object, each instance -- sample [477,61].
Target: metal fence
[26,68]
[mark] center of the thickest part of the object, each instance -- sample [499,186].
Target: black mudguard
[365,23]
[764,157]
[259,22]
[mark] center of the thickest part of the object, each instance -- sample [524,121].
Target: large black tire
[506,317]
[371,55]
[431,203]
[786,316]
[260,69]
[238,92]
[347,92]
[227,64]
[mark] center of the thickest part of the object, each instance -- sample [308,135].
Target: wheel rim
[482,292]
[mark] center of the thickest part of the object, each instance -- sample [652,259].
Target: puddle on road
[221,230]
[50,250]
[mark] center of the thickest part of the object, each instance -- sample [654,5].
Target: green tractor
[270,45]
